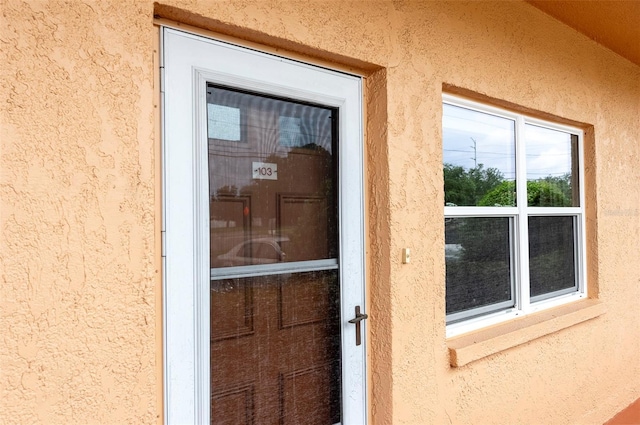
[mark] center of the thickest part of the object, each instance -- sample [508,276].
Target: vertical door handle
[356,321]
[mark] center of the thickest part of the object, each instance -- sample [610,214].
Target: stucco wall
[79,259]
[79,268]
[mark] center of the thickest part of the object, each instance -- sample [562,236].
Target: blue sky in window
[471,138]
[548,152]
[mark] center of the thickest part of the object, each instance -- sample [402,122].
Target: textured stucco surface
[79,207]
[77,308]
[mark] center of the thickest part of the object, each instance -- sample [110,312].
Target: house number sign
[265,171]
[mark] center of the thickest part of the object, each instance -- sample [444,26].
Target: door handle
[356,321]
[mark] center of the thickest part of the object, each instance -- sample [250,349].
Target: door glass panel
[271,180]
[275,338]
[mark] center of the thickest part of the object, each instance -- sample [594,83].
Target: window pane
[552,265]
[479,158]
[552,161]
[478,261]
[223,122]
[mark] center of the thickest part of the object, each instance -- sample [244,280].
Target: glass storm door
[275,299]
[263,238]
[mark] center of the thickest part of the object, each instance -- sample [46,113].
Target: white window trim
[523,305]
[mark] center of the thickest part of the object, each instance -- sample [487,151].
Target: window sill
[476,345]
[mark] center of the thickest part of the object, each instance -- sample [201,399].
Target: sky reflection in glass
[473,138]
[548,152]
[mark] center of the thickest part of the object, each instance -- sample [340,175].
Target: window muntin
[541,198]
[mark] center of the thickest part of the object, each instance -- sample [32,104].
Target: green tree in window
[563,183]
[467,186]
[540,193]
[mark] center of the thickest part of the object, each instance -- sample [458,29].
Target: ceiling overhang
[613,24]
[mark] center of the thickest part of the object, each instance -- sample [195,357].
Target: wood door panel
[231,309]
[306,397]
[304,219]
[280,360]
[234,406]
[229,223]
[295,297]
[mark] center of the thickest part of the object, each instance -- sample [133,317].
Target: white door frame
[187,63]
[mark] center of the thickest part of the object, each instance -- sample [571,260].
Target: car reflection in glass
[264,250]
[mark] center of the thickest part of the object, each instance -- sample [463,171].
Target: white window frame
[519,215]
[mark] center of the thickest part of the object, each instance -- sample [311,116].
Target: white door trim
[188,62]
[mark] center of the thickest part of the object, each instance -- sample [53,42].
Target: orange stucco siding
[80,300]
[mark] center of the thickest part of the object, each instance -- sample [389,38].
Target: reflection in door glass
[223,122]
[272,181]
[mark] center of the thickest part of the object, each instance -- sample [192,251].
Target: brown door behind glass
[275,331]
